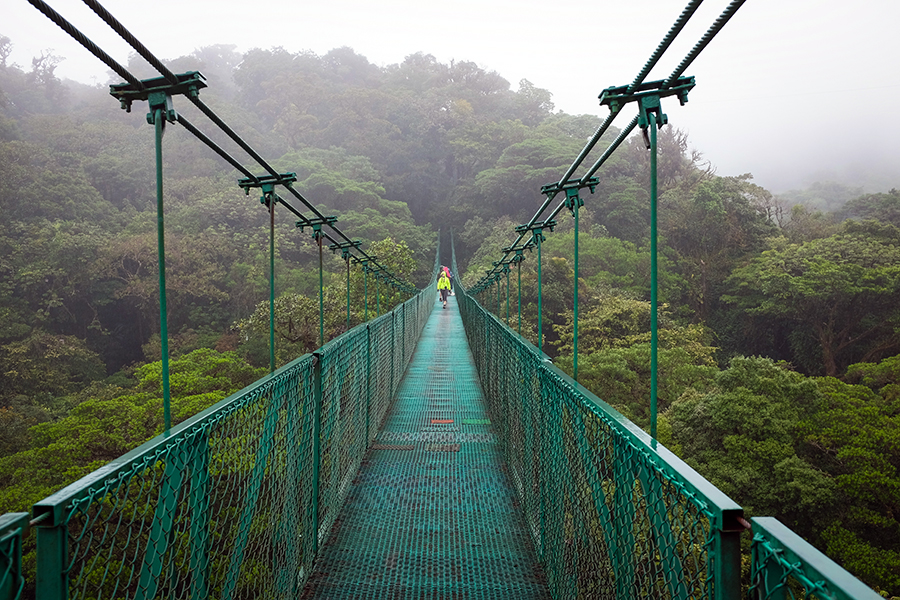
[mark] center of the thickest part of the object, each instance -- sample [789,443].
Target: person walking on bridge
[443,286]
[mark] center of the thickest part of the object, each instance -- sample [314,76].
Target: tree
[710,229]
[614,354]
[745,434]
[857,435]
[839,293]
[881,207]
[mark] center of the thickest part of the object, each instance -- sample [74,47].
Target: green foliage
[47,363]
[880,207]
[107,426]
[857,436]
[711,229]
[614,355]
[838,293]
[744,435]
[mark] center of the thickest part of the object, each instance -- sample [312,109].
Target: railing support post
[519,259]
[537,236]
[271,202]
[317,449]
[269,198]
[368,382]
[654,299]
[573,202]
[160,107]
[650,115]
[727,563]
[52,559]
[506,272]
[13,526]
[318,234]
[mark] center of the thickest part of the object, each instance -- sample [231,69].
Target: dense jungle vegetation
[779,364]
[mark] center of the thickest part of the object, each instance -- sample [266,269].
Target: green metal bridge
[426,453]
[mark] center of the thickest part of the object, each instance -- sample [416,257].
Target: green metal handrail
[783,563]
[12,527]
[613,513]
[234,501]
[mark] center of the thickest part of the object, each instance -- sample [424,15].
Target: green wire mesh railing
[614,514]
[785,566]
[611,516]
[233,502]
[12,526]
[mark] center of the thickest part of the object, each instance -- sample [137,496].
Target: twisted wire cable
[132,41]
[88,44]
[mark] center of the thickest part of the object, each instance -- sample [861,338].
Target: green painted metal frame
[12,528]
[783,562]
[200,511]
[596,489]
[269,199]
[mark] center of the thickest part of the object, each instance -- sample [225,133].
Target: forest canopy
[780,329]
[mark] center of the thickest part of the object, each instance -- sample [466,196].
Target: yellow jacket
[443,282]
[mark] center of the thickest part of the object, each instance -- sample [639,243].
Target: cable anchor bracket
[648,96]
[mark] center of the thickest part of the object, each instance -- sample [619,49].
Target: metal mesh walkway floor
[432,513]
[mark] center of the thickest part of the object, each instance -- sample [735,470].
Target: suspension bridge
[426,453]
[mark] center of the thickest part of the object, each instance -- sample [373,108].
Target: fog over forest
[779,323]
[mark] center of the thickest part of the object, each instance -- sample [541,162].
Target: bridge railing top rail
[780,556]
[52,511]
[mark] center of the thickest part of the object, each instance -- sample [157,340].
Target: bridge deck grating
[432,513]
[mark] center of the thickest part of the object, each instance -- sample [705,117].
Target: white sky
[790,90]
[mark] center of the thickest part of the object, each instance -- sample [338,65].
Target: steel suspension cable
[664,45]
[132,41]
[215,147]
[716,27]
[682,20]
[685,63]
[623,135]
[145,53]
[88,44]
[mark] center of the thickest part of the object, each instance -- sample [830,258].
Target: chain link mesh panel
[784,565]
[432,513]
[218,509]
[608,518]
[12,581]
[230,504]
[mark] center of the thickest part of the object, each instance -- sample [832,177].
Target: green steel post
[538,236]
[13,527]
[575,315]
[506,271]
[727,566]
[347,259]
[368,381]
[497,279]
[393,351]
[321,293]
[377,297]
[271,201]
[159,122]
[653,280]
[317,450]
[519,266]
[366,288]
[163,522]
[52,562]
[200,519]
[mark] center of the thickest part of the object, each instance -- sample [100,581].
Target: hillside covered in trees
[780,339]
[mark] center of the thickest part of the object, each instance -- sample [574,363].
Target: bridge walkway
[432,513]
